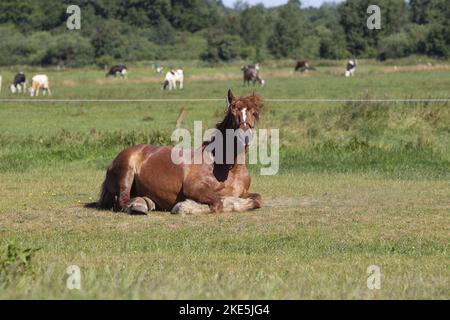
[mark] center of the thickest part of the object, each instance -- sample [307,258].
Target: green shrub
[69,49]
[15,260]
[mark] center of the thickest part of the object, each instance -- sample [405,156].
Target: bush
[223,48]
[104,62]
[71,50]
[394,46]
[438,42]
[15,260]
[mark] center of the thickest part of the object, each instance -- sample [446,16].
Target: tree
[223,48]
[288,31]
[420,11]
[254,28]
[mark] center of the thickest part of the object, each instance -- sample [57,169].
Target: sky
[269,3]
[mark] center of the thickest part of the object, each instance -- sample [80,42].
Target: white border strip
[214,99]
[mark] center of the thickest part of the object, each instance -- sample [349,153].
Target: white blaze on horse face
[244,115]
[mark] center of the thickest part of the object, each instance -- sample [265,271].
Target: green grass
[359,184]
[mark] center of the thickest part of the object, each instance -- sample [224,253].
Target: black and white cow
[350,69]
[19,84]
[119,70]
[172,77]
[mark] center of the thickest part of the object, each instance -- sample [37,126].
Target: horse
[39,81]
[19,84]
[251,73]
[118,70]
[350,68]
[144,177]
[172,77]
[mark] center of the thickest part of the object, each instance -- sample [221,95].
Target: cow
[19,84]
[251,73]
[304,65]
[158,69]
[119,70]
[39,81]
[172,77]
[350,69]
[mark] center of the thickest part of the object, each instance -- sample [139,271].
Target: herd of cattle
[38,82]
[251,74]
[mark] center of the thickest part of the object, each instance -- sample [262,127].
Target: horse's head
[244,111]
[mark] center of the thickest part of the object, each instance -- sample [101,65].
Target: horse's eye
[255,114]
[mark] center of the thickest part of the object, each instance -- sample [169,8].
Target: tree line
[35,33]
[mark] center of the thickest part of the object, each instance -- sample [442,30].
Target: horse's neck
[222,170]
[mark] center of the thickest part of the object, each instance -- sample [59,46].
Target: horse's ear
[254,93]
[230,97]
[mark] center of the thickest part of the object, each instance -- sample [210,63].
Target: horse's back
[132,157]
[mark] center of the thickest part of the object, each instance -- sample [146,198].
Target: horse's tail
[106,200]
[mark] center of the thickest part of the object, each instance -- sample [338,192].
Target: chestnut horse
[144,177]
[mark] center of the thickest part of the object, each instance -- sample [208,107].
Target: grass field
[360,184]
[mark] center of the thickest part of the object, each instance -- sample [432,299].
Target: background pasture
[359,184]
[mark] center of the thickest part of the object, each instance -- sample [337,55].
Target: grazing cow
[304,65]
[39,81]
[251,73]
[350,69]
[157,68]
[172,77]
[19,84]
[119,70]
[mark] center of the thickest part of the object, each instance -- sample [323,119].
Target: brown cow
[304,65]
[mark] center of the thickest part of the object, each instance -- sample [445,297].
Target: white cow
[39,81]
[172,77]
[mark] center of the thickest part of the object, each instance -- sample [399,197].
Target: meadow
[360,183]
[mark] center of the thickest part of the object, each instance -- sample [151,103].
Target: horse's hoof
[150,204]
[140,206]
